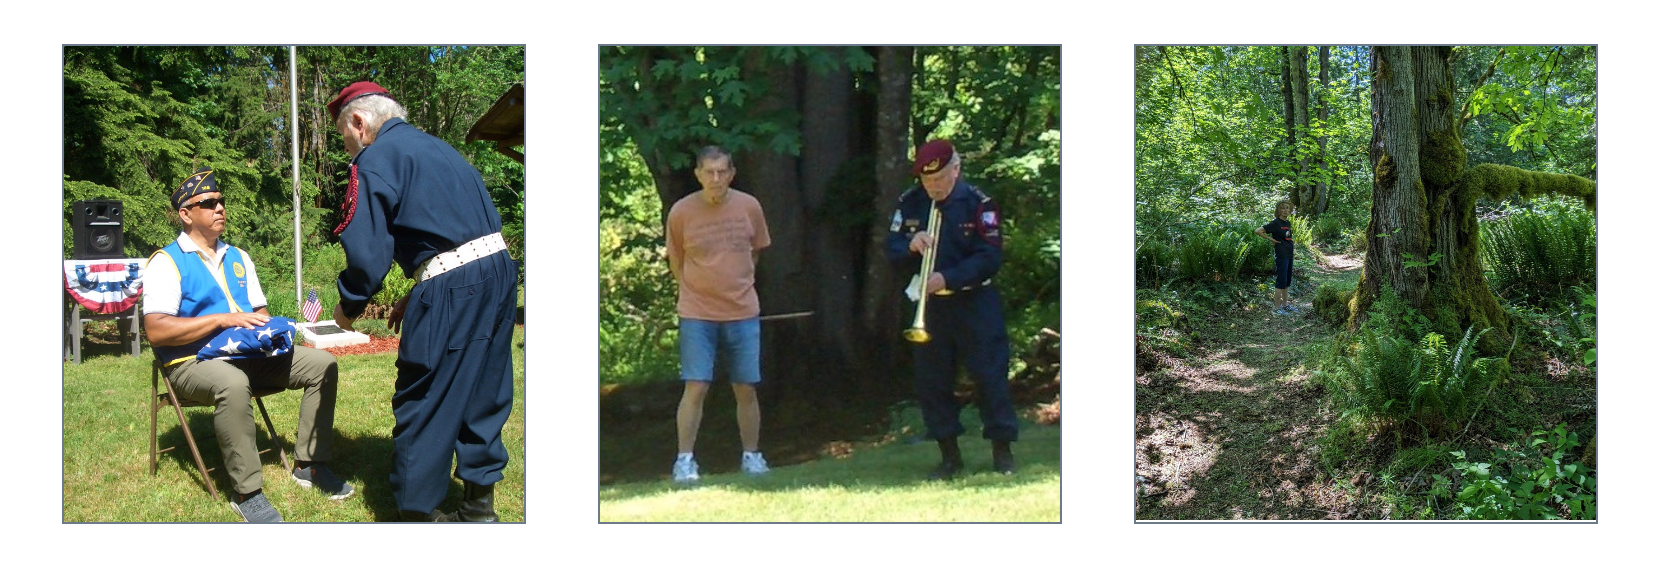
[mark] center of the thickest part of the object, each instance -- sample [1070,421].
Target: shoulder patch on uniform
[982,196]
[897,220]
[908,193]
[350,201]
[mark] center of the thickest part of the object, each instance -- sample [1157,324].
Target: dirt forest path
[1229,432]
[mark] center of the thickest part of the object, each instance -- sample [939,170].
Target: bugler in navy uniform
[413,199]
[964,318]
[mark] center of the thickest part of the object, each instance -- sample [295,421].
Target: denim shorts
[700,342]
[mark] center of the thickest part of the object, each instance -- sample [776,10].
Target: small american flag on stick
[312,307]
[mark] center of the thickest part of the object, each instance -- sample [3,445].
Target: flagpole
[293,126]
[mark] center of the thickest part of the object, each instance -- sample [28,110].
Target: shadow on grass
[363,461]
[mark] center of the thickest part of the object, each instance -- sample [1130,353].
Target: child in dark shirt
[1280,234]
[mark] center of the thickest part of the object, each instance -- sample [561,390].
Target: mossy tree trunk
[1423,232]
[1296,114]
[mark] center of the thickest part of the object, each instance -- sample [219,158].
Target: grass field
[874,483]
[106,448]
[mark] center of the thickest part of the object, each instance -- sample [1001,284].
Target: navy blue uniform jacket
[969,248]
[411,196]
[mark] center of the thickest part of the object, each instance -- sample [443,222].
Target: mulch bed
[375,345]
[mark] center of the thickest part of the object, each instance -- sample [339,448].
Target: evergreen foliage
[138,120]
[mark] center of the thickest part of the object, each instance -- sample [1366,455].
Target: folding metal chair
[170,397]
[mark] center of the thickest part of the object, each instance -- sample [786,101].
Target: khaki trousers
[227,385]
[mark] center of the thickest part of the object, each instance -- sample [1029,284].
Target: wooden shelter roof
[502,124]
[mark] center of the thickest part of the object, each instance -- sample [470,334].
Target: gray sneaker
[319,477]
[1291,308]
[684,471]
[1279,311]
[257,509]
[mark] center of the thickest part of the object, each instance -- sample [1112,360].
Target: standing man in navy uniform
[963,314]
[414,200]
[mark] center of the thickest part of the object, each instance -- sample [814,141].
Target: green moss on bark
[1442,159]
[1497,182]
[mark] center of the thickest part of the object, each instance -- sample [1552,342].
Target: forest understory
[1236,428]
[1229,431]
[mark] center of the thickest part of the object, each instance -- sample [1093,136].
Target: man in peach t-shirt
[713,241]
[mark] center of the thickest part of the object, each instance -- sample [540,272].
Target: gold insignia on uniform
[240,272]
[932,166]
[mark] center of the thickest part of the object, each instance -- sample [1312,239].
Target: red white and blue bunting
[104,286]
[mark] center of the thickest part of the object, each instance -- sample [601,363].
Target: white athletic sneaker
[684,471]
[753,463]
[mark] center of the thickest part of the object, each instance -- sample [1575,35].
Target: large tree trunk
[880,303]
[1424,199]
[1397,221]
[826,118]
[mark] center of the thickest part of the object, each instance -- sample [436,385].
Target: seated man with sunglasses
[196,289]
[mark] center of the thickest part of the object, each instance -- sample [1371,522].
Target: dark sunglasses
[207,203]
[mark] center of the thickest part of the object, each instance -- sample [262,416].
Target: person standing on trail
[1280,233]
[713,240]
[966,323]
[413,200]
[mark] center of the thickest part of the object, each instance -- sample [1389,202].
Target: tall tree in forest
[1319,202]
[1296,115]
[1423,232]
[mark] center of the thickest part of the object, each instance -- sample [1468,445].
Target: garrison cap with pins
[932,157]
[353,92]
[201,181]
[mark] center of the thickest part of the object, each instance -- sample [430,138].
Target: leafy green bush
[1539,252]
[1302,232]
[1392,380]
[1332,302]
[1152,262]
[1326,229]
[1359,242]
[1220,252]
[1530,483]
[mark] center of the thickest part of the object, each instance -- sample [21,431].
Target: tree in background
[1423,232]
[137,120]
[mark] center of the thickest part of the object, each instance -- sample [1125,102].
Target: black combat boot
[478,507]
[1003,457]
[951,463]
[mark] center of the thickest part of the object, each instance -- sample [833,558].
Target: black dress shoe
[1003,458]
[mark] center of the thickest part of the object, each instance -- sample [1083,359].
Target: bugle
[917,332]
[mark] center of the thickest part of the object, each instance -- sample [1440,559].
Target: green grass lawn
[106,448]
[873,484]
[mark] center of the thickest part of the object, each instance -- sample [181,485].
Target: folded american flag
[275,338]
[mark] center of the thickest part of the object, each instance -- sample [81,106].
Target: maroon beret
[353,92]
[932,157]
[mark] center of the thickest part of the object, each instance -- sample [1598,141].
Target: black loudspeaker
[97,228]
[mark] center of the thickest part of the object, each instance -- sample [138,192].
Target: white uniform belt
[466,253]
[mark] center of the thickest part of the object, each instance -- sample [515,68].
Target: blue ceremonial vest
[200,294]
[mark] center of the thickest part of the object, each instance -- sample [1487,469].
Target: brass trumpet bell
[917,335]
